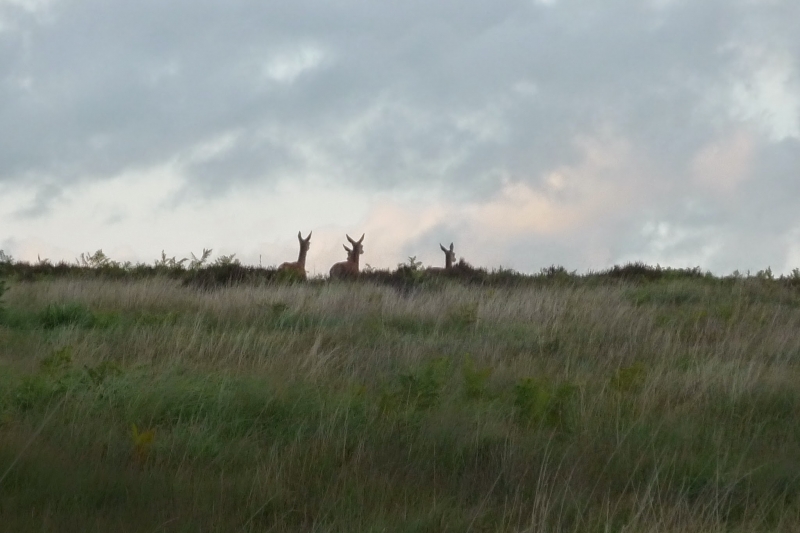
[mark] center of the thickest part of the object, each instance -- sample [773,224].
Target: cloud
[723,164]
[574,129]
[286,66]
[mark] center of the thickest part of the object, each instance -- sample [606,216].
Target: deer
[349,268]
[298,267]
[449,259]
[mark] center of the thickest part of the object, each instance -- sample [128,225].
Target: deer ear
[349,238]
[349,251]
[451,246]
[442,247]
[299,237]
[309,235]
[362,238]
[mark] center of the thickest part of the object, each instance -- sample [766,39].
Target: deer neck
[301,259]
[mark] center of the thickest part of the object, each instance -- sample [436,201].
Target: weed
[3,289]
[541,404]
[413,265]
[95,260]
[100,372]
[666,293]
[475,379]
[531,398]
[288,275]
[278,309]
[420,390]
[57,362]
[35,391]
[629,379]
[198,262]
[550,345]
[225,260]
[409,325]
[463,316]
[765,275]
[142,443]
[70,314]
[171,262]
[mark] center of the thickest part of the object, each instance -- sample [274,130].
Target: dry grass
[666,407]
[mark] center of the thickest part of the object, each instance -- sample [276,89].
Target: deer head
[358,248]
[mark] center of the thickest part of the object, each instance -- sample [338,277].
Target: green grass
[147,405]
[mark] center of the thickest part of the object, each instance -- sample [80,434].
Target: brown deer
[298,268]
[449,259]
[349,268]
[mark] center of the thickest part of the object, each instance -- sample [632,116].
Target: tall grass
[147,405]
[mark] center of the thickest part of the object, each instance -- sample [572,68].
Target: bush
[3,289]
[541,404]
[55,316]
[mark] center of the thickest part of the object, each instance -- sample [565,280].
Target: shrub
[2,290]
[629,378]
[418,391]
[57,362]
[463,316]
[475,379]
[57,315]
[540,403]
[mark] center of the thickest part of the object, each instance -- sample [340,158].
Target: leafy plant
[666,293]
[57,315]
[95,260]
[170,262]
[539,403]
[412,264]
[463,316]
[278,308]
[554,272]
[198,262]
[475,379]
[99,373]
[629,378]
[3,289]
[57,362]
[52,380]
[531,398]
[224,260]
[420,390]
[287,275]
[410,272]
[34,390]
[765,275]
[142,442]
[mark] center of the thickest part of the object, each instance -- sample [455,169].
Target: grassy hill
[224,398]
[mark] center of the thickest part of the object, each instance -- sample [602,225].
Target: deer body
[349,269]
[449,259]
[298,267]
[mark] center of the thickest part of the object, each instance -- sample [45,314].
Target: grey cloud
[45,196]
[116,85]
[457,92]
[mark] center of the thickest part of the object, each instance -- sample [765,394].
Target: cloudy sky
[528,132]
